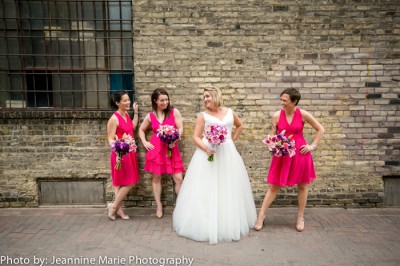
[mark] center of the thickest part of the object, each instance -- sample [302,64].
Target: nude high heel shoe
[300,224]
[259,224]
[121,214]
[111,211]
[159,213]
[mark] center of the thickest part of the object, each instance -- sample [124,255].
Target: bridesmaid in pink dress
[299,169]
[157,162]
[127,176]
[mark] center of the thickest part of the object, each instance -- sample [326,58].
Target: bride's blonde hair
[216,94]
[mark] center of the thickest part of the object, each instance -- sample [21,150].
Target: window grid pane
[62,54]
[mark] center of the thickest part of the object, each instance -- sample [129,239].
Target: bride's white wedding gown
[215,202]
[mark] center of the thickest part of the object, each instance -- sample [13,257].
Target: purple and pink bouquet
[123,146]
[215,134]
[281,145]
[168,134]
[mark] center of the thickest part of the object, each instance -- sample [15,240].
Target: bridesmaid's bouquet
[123,146]
[281,145]
[215,134]
[168,134]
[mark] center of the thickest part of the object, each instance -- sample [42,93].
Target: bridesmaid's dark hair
[154,97]
[294,95]
[116,98]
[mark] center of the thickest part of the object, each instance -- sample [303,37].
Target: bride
[215,202]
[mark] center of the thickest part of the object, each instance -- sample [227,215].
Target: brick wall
[48,145]
[343,56]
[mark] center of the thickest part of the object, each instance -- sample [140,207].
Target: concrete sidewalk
[85,236]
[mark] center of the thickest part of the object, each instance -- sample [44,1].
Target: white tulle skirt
[215,202]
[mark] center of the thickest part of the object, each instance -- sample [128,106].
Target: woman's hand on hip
[306,148]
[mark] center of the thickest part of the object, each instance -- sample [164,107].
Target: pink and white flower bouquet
[215,134]
[123,146]
[168,134]
[281,145]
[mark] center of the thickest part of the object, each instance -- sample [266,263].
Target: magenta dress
[128,174]
[299,169]
[157,161]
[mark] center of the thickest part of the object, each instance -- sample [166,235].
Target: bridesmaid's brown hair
[154,97]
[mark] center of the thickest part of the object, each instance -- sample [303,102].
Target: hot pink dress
[299,169]
[157,161]
[128,174]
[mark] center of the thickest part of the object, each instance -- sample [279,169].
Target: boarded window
[392,191]
[72,192]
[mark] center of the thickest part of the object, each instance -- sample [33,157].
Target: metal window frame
[52,34]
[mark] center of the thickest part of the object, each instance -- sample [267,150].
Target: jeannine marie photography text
[101,260]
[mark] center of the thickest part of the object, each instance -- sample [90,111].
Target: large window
[64,53]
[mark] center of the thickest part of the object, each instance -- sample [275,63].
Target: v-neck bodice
[226,121]
[295,128]
[169,120]
[124,125]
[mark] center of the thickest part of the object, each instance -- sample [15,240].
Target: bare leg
[156,183]
[119,197]
[121,193]
[120,212]
[302,199]
[116,189]
[178,179]
[111,210]
[268,199]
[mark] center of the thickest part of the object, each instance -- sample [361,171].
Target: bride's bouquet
[123,146]
[168,134]
[215,134]
[281,145]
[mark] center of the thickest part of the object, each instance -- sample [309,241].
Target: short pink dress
[128,174]
[157,161]
[299,169]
